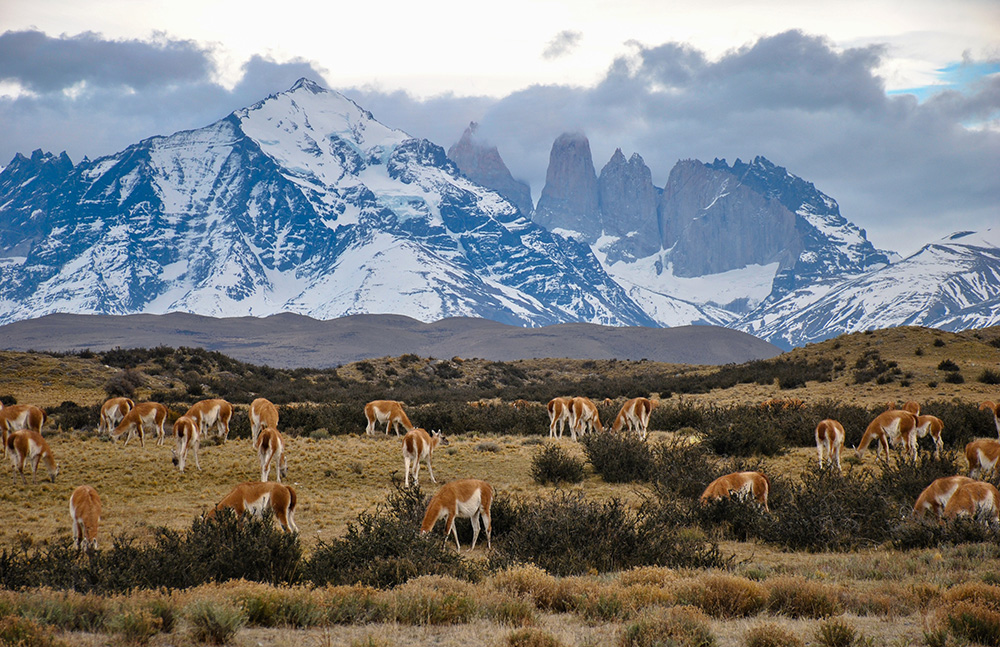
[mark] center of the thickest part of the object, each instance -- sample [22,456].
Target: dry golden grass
[335,480]
[882,593]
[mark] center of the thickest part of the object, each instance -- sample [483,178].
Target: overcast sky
[890,107]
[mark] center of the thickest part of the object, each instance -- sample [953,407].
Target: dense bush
[682,467]
[681,626]
[216,549]
[552,464]
[384,548]
[743,431]
[619,458]
[566,534]
[124,384]
[70,415]
[989,376]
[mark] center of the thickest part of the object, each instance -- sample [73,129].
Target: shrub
[213,621]
[272,607]
[24,632]
[619,458]
[798,597]
[384,548]
[769,634]
[742,431]
[835,633]
[680,626]
[531,637]
[938,342]
[954,378]
[70,415]
[357,605]
[725,596]
[566,534]
[975,623]
[948,365]
[989,376]
[832,511]
[124,384]
[433,600]
[551,464]
[681,467]
[216,549]
[135,626]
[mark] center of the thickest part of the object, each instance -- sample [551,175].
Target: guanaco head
[442,440]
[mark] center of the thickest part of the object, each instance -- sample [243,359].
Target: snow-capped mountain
[951,284]
[301,203]
[304,203]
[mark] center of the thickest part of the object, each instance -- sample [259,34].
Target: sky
[891,107]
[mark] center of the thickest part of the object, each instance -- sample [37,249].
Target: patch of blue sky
[961,76]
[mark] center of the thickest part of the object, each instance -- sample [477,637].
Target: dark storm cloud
[562,43]
[897,166]
[42,63]
[894,164]
[131,90]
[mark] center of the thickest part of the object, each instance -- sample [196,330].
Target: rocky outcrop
[481,163]
[569,200]
[27,184]
[715,223]
[628,201]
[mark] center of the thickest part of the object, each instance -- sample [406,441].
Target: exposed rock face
[570,197]
[628,203]
[27,185]
[481,163]
[715,223]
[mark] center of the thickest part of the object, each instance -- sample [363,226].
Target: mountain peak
[308,85]
[481,163]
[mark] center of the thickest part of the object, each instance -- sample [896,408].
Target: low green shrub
[24,632]
[566,534]
[384,548]
[551,464]
[619,458]
[531,637]
[214,621]
[725,596]
[135,626]
[769,634]
[797,597]
[681,626]
[835,633]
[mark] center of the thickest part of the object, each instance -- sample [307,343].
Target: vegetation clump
[551,464]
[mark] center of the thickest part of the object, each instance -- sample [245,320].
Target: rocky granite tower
[628,202]
[481,163]
[569,200]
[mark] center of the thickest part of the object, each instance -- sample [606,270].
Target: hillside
[295,341]
[883,592]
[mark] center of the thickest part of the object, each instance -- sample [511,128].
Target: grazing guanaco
[263,414]
[85,515]
[419,445]
[388,411]
[28,446]
[255,497]
[467,498]
[829,441]
[740,484]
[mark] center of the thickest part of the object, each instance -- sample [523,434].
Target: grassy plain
[341,476]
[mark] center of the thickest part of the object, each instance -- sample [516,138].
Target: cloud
[562,43]
[123,91]
[905,170]
[41,63]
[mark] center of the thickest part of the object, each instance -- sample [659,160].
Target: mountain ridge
[293,341]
